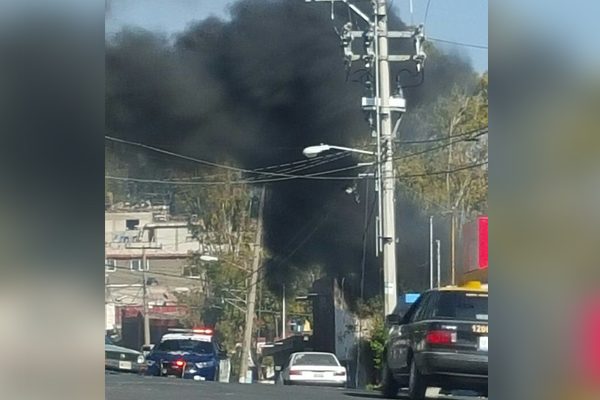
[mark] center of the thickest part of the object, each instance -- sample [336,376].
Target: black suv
[441,341]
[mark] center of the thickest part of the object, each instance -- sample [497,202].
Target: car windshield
[316,359]
[189,345]
[463,305]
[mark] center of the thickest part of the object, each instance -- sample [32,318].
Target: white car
[313,368]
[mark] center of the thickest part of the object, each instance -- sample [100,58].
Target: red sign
[483,242]
[587,341]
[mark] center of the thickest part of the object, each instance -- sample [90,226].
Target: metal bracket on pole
[357,10]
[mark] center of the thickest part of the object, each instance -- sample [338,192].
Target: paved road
[134,387]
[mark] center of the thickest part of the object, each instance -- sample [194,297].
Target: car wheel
[389,386]
[417,384]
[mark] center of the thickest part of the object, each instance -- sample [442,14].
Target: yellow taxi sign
[476,286]
[473,285]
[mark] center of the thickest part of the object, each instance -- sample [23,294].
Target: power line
[443,172]
[405,156]
[205,162]
[475,132]
[284,179]
[287,167]
[183,277]
[426,12]
[476,46]
[307,237]
[314,176]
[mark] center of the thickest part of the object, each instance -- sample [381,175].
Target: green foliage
[447,121]
[372,311]
[379,335]
[195,302]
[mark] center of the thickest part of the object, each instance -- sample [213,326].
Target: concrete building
[167,245]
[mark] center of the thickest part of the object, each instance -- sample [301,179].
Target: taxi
[441,341]
[188,354]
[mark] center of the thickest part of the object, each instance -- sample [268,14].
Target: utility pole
[431,252]
[453,244]
[375,38]
[439,275]
[145,300]
[283,317]
[251,299]
[388,180]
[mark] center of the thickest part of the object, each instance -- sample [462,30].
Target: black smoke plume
[255,90]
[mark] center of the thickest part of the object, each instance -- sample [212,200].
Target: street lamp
[207,258]
[313,151]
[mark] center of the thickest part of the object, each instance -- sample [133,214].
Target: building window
[132,224]
[136,264]
[110,265]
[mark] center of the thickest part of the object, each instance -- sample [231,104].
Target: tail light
[295,372]
[179,363]
[340,373]
[440,337]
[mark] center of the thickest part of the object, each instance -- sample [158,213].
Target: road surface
[134,387]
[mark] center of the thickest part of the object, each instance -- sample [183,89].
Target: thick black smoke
[256,90]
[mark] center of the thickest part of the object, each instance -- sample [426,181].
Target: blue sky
[463,21]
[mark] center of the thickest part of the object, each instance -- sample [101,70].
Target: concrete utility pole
[145,300]
[430,252]
[251,302]
[388,179]
[375,38]
[439,270]
[453,244]
[283,317]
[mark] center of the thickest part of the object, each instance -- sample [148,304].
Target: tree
[450,169]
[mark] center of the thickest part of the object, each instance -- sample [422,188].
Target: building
[166,244]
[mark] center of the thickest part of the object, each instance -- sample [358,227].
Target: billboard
[475,245]
[482,258]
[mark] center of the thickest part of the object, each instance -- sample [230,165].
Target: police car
[441,341]
[189,354]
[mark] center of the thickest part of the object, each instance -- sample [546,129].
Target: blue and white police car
[189,354]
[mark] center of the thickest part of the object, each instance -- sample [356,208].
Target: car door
[420,323]
[414,328]
[397,337]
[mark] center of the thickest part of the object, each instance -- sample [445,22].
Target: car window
[428,309]
[288,362]
[189,345]
[463,305]
[316,359]
[422,305]
[411,311]
[107,340]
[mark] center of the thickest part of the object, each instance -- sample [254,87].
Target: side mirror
[393,319]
